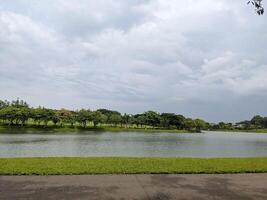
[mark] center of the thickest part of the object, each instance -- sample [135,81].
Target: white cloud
[135,55]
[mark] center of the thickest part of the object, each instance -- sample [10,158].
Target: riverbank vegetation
[15,129]
[18,114]
[256,124]
[79,166]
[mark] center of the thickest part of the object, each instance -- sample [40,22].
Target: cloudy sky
[200,58]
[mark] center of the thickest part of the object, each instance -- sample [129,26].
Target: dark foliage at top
[258,6]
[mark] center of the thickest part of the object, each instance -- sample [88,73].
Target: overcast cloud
[200,58]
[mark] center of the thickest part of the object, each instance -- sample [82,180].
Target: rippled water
[209,144]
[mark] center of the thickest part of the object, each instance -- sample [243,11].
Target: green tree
[108,114]
[23,114]
[38,115]
[152,118]
[55,118]
[66,116]
[140,120]
[200,125]
[133,120]
[264,122]
[83,116]
[98,117]
[4,104]
[9,114]
[115,119]
[171,120]
[44,115]
[126,119]
[49,115]
[243,125]
[19,103]
[180,122]
[190,124]
[257,121]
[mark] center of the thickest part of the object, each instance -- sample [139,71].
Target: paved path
[144,187]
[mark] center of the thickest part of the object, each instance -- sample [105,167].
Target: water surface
[209,144]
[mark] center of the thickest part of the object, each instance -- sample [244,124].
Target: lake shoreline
[126,165]
[65,129]
[242,130]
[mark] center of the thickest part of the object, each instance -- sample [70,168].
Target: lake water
[209,144]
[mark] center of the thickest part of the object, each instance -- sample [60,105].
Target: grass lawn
[79,166]
[66,129]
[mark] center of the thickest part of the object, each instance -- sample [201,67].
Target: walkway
[144,187]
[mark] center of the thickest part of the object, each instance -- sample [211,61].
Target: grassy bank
[243,130]
[31,128]
[260,130]
[78,166]
[65,129]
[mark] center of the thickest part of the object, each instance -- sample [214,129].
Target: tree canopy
[18,112]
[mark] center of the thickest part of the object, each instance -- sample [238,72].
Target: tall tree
[152,118]
[66,116]
[190,124]
[83,116]
[115,119]
[257,121]
[23,114]
[4,104]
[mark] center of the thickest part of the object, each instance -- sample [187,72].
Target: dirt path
[151,187]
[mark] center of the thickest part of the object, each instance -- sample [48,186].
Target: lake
[208,144]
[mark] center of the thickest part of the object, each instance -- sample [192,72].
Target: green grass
[244,130]
[260,130]
[255,130]
[79,166]
[66,129]
[144,130]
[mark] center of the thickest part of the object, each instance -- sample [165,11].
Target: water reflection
[134,144]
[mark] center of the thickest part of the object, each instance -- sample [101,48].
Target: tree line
[257,122]
[18,112]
